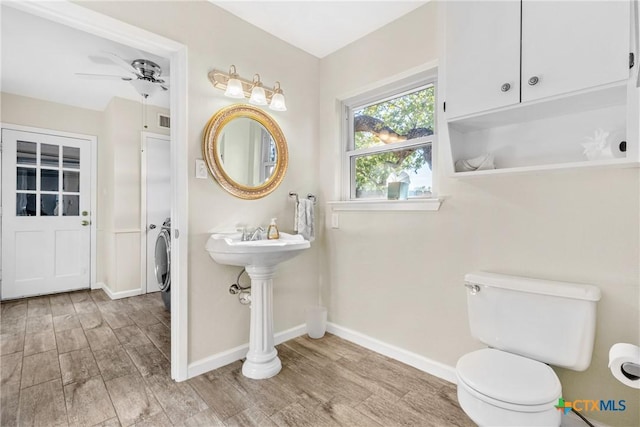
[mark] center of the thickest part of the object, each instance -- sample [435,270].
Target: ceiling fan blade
[115,59]
[102,76]
[100,60]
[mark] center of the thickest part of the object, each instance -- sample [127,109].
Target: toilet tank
[552,322]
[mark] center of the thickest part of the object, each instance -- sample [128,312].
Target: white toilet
[526,323]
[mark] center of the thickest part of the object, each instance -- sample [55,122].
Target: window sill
[387,205]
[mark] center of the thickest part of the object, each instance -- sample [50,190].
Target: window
[389,139]
[39,163]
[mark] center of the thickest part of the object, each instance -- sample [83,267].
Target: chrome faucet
[249,235]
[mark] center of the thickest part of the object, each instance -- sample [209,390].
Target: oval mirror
[245,151]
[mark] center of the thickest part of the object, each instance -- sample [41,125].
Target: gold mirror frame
[212,156]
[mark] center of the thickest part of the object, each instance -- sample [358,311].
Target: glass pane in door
[25,179]
[70,205]
[48,205]
[49,155]
[26,153]
[71,181]
[48,180]
[71,157]
[25,204]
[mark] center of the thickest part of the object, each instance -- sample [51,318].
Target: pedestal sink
[260,258]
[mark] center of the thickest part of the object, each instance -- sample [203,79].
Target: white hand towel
[304,223]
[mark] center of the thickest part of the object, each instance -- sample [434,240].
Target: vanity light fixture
[258,96]
[277,100]
[235,86]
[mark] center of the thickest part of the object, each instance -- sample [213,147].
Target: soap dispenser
[272,231]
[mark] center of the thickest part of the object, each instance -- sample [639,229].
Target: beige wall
[119,166]
[22,110]
[217,39]
[397,276]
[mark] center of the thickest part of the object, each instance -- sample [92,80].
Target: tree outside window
[391,142]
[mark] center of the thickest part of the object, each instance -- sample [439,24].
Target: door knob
[152,226]
[85,213]
[85,223]
[505,87]
[533,81]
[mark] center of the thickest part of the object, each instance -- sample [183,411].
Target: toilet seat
[508,381]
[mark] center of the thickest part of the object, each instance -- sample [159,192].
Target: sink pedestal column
[262,358]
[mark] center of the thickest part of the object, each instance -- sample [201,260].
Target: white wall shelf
[546,136]
[522,170]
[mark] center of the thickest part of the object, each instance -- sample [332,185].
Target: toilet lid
[508,377]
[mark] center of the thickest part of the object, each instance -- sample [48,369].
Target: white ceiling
[40,59]
[319,27]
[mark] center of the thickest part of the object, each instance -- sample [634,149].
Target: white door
[573,45]
[482,56]
[157,158]
[46,199]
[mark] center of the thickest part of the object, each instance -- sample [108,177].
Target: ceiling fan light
[144,87]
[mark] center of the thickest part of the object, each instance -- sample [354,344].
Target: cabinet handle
[533,81]
[505,87]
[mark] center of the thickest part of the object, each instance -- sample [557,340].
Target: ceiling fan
[143,74]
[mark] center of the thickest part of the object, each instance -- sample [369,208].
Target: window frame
[376,95]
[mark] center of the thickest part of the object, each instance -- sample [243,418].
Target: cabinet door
[482,56]
[573,45]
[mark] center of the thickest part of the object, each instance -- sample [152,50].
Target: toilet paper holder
[631,370]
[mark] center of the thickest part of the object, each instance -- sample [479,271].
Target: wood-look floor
[81,359]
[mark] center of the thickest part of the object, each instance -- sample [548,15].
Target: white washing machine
[163,262]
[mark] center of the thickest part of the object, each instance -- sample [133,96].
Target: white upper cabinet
[501,53]
[538,85]
[573,45]
[483,56]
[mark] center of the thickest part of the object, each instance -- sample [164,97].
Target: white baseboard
[224,358]
[117,295]
[440,370]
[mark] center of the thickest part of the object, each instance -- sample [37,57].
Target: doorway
[155,204]
[100,25]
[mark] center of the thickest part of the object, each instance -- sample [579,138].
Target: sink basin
[229,249]
[260,258]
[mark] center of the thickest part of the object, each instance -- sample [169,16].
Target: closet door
[482,56]
[573,45]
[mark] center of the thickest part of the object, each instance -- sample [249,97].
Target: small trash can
[316,322]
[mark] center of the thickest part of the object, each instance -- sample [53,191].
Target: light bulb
[234,89]
[258,97]
[277,100]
